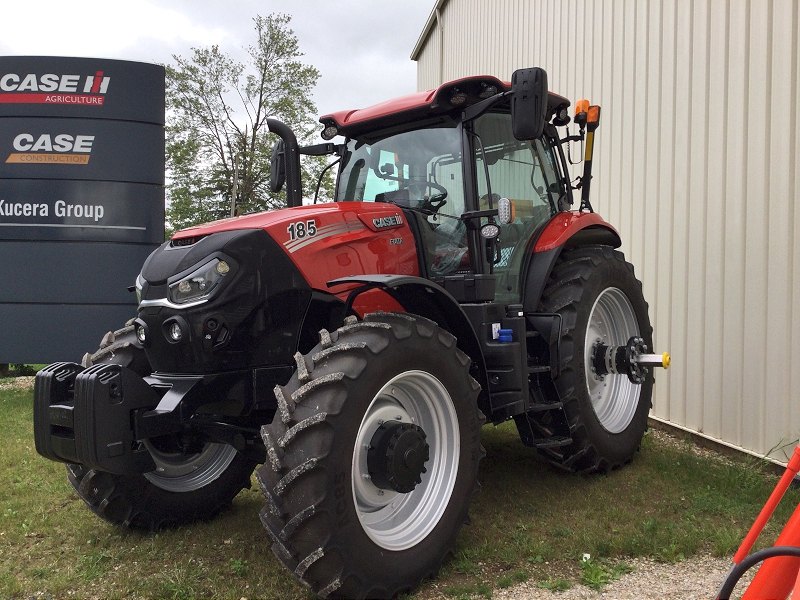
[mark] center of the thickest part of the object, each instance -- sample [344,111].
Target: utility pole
[235,190]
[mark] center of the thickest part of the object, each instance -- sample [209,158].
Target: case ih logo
[62,149]
[382,222]
[53,89]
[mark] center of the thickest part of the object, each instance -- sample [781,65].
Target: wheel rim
[614,397]
[178,472]
[398,521]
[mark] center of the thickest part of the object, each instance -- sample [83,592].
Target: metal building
[696,164]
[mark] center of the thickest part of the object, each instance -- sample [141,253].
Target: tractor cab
[450,179]
[450,159]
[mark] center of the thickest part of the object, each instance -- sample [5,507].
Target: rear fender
[424,298]
[565,230]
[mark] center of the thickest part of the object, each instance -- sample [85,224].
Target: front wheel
[372,457]
[601,303]
[194,478]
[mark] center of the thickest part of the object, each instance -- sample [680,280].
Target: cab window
[526,173]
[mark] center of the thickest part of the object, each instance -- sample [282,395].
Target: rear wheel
[601,303]
[372,457]
[194,479]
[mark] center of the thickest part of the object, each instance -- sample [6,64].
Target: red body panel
[401,104]
[564,226]
[349,238]
[420,100]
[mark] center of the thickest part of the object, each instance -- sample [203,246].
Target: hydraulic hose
[756,557]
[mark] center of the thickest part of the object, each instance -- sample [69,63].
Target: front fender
[425,298]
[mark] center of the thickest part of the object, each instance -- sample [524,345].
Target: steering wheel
[433,203]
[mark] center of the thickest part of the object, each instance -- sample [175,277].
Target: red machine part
[329,241]
[564,225]
[777,576]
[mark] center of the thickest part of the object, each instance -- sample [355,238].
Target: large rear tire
[187,485]
[600,300]
[372,457]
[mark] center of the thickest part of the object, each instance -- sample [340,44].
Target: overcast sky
[362,48]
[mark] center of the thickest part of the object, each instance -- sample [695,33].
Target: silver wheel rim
[614,397]
[398,521]
[176,472]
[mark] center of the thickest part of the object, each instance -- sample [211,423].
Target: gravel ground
[697,578]
[17,383]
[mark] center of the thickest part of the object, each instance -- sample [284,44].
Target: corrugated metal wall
[696,165]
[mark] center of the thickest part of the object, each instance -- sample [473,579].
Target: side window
[521,171]
[525,172]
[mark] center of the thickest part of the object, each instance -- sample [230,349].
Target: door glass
[525,172]
[420,170]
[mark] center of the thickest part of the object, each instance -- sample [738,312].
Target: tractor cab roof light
[487,91]
[330,131]
[458,98]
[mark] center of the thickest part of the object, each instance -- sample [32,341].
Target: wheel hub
[620,360]
[397,456]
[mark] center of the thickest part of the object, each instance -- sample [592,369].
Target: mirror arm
[476,110]
[571,138]
[294,184]
[477,214]
[322,149]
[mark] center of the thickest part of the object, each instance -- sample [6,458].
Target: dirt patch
[17,383]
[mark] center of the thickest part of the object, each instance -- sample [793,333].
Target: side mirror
[528,102]
[277,168]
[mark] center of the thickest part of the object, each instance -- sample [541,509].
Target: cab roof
[429,107]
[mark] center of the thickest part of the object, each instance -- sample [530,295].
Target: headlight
[199,284]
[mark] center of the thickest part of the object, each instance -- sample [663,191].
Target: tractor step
[539,369]
[556,441]
[539,407]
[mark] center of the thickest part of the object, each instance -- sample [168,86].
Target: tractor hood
[329,241]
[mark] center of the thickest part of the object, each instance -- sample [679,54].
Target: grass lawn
[529,521]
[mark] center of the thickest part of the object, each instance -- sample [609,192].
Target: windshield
[416,169]
[420,170]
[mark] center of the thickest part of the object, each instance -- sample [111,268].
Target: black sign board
[40,148]
[92,88]
[81,198]
[92,211]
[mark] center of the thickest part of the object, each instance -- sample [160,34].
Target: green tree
[216,116]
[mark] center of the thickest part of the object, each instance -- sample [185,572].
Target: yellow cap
[665,360]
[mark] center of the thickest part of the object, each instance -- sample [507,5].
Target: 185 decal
[302,229]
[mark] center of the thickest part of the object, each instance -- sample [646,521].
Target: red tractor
[355,349]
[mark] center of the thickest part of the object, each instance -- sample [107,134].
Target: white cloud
[99,28]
